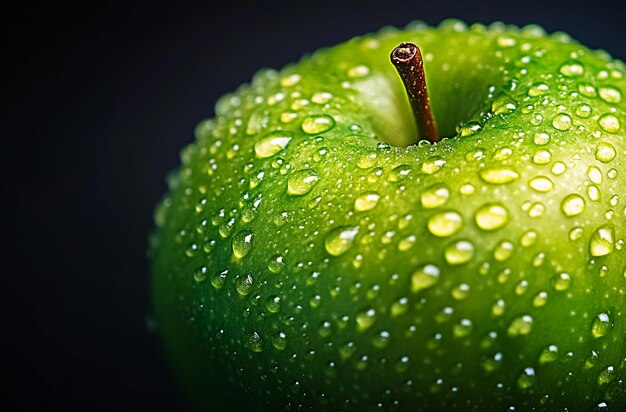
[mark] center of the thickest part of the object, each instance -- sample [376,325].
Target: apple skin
[301,263]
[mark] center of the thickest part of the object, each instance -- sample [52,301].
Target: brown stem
[407,58]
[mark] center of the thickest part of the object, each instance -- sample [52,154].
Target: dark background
[100,98]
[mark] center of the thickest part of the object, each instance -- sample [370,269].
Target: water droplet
[461,292]
[506,41]
[242,243]
[340,239]
[467,189]
[541,184]
[601,325]
[497,309]
[381,339]
[435,196]
[491,216]
[558,168]
[462,328]
[400,306]
[459,252]
[610,94]
[561,282]
[444,224]
[594,174]
[520,326]
[503,251]
[528,238]
[572,68]
[542,157]
[498,175]
[399,173]
[549,354]
[576,233]
[433,165]
[317,124]
[541,138]
[200,275]
[276,264]
[470,129]
[365,319]
[272,144]
[218,279]
[606,375]
[290,80]
[503,105]
[587,90]
[593,192]
[540,299]
[325,329]
[254,342]
[601,242]
[538,89]
[583,110]
[302,182]
[609,123]
[424,277]
[358,71]
[280,341]
[244,285]
[562,122]
[366,201]
[403,364]
[406,243]
[273,304]
[492,363]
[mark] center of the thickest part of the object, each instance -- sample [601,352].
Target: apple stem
[407,58]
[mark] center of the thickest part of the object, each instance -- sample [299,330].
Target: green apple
[316,252]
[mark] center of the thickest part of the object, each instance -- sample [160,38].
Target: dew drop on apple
[609,123]
[461,291]
[325,329]
[562,122]
[271,144]
[462,328]
[302,182]
[467,189]
[498,307]
[321,97]
[435,196]
[400,306]
[491,216]
[367,161]
[366,201]
[520,326]
[244,284]
[399,173]
[445,224]
[572,68]
[610,94]
[219,279]
[459,252]
[538,89]
[365,319]
[594,174]
[403,364]
[492,363]
[469,129]
[503,105]
[561,281]
[542,157]
[583,110]
[200,275]
[317,124]
[276,264]
[606,375]
[433,165]
[593,191]
[503,250]
[602,241]
[340,239]
[540,299]
[502,154]
[358,72]
[605,152]
[273,304]
[498,175]
[381,339]
[424,277]
[541,138]
[279,341]
[242,243]
[549,354]
[541,184]
[253,342]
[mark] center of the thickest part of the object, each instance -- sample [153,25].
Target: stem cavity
[407,58]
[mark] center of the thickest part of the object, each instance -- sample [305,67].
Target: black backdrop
[100,98]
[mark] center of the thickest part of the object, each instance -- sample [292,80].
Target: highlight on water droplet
[605,152]
[242,243]
[498,175]
[444,224]
[562,122]
[610,94]
[317,124]
[602,240]
[609,123]
[470,129]
[561,282]
[572,68]
[459,252]
[538,89]
[272,144]
[340,239]
[435,196]
[572,205]
[491,216]
[541,184]
[424,277]
[302,182]
[601,325]
[366,201]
